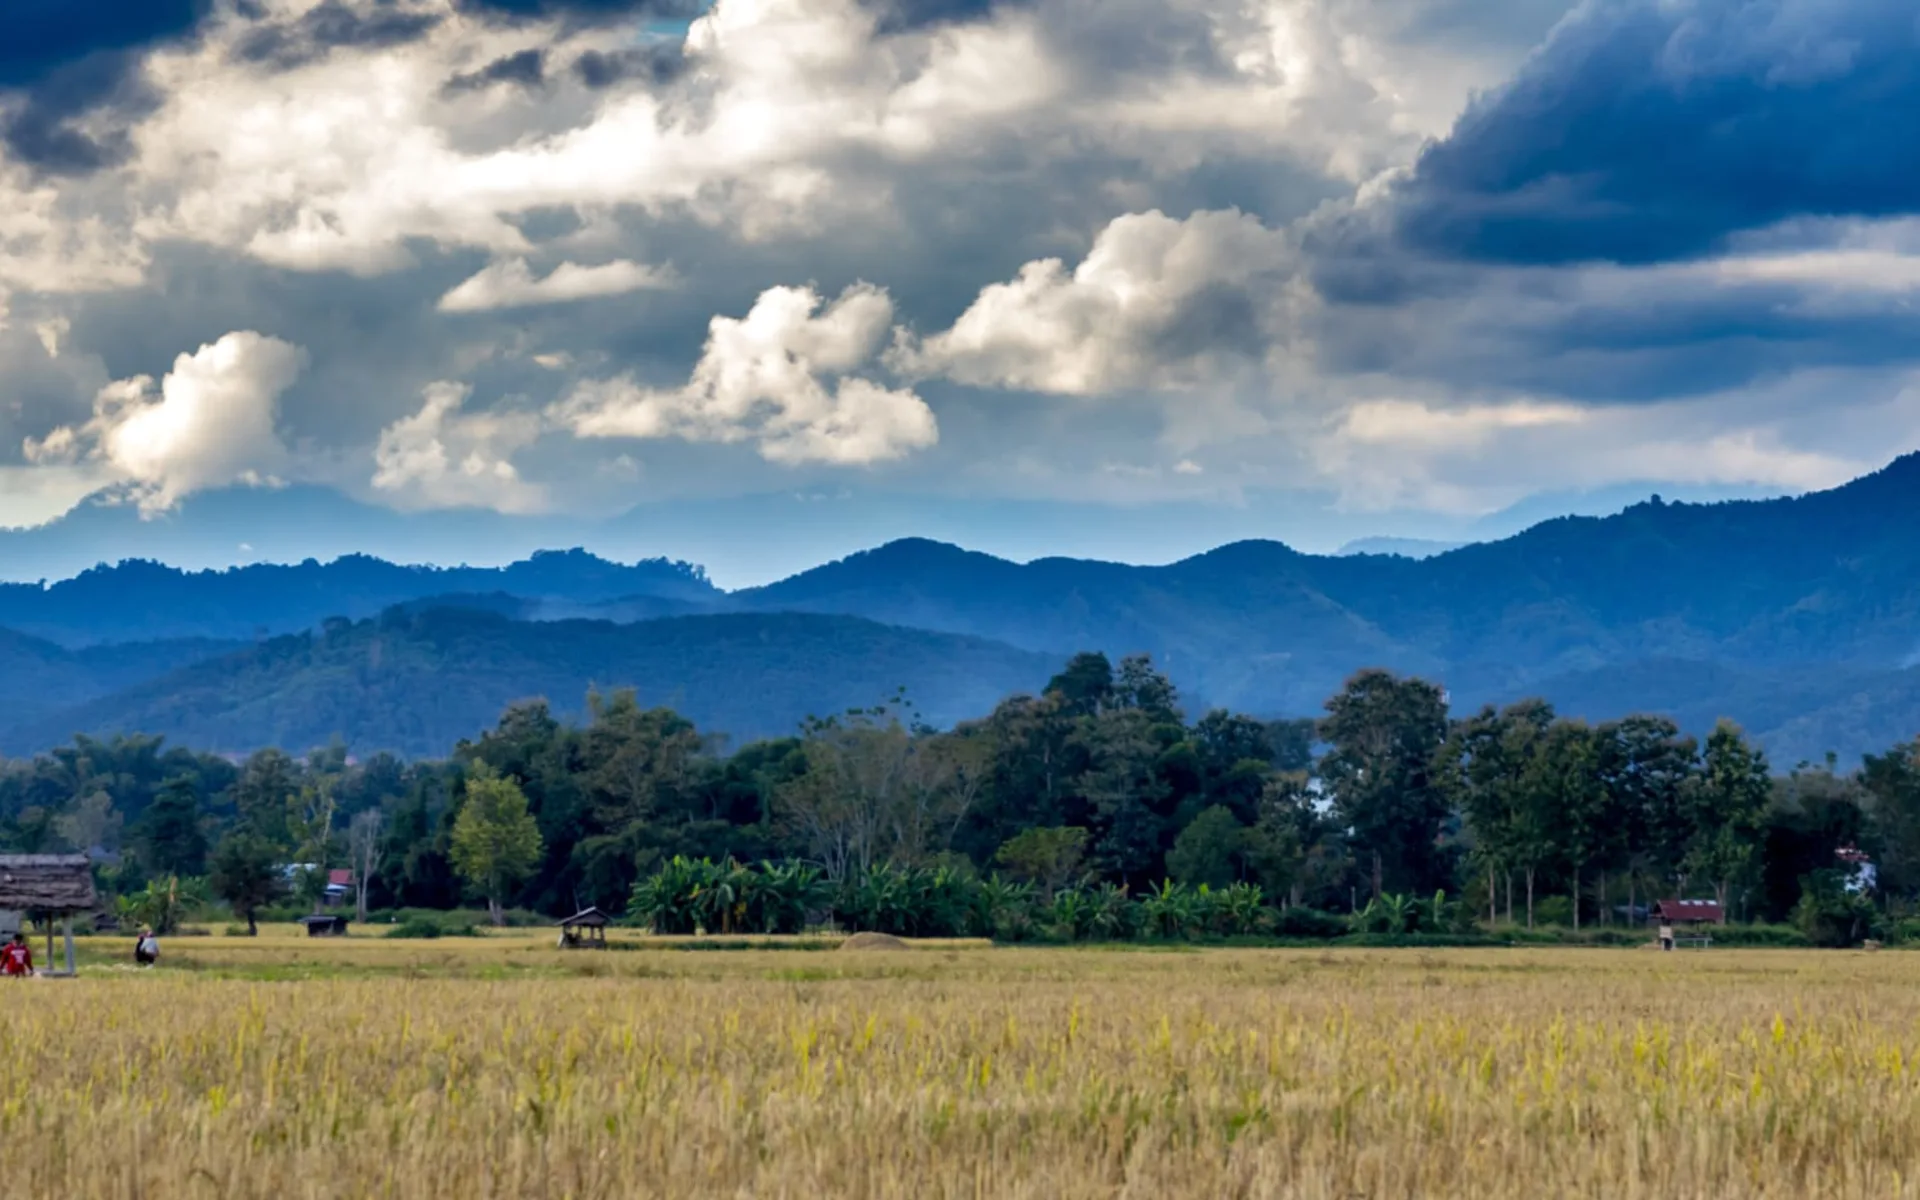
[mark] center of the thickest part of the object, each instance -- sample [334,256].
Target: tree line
[1099,786]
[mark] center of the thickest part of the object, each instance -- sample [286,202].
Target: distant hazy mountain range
[1404,547]
[1798,617]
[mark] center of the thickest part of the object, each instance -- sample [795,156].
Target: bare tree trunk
[1529,897]
[493,911]
[1509,897]
[1493,909]
[1606,914]
[1576,899]
[1376,874]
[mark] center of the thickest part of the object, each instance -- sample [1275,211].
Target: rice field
[499,1067]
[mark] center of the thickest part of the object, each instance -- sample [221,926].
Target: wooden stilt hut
[49,887]
[584,930]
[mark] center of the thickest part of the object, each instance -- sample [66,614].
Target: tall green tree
[1138,684]
[1575,803]
[1129,799]
[496,841]
[245,871]
[1385,733]
[1725,805]
[265,794]
[1213,849]
[1084,686]
[1892,785]
[1815,812]
[1048,858]
[1296,849]
[1483,768]
[1646,764]
[172,839]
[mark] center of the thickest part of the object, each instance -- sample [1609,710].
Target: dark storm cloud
[1117,39]
[526,69]
[659,63]
[583,11]
[1601,334]
[1648,130]
[61,60]
[334,25]
[900,15]
[45,35]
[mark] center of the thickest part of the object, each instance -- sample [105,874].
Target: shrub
[1299,922]
[1552,910]
[1759,935]
[1830,914]
[1396,914]
[423,925]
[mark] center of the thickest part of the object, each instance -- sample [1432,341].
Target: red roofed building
[1689,912]
[339,885]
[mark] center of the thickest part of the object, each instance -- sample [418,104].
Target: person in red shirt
[15,957]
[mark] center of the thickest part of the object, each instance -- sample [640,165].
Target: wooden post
[66,933]
[49,965]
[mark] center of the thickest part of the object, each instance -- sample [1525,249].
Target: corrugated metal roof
[1690,910]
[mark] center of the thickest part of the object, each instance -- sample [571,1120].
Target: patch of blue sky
[674,30]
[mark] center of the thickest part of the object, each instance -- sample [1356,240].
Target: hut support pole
[49,941]
[66,935]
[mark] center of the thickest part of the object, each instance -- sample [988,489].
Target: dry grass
[497,1067]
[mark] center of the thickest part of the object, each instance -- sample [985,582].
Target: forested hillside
[414,682]
[1806,609]
[143,601]
[38,677]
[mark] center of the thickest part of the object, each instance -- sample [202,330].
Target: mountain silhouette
[416,682]
[1799,617]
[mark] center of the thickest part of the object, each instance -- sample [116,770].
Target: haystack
[874,941]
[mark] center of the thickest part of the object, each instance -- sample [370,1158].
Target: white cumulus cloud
[511,284]
[210,423]
[441,457]
[1156,302]
[781,377]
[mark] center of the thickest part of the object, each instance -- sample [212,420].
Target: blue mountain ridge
[1798,616]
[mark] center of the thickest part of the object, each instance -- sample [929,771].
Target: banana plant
[1115,916]
[1168,910]
[1241,910]
[1005,910]
[670,900]
[1073,913]
[783,897]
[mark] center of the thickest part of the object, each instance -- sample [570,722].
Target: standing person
[16,957]
[1666,933]
[146,951]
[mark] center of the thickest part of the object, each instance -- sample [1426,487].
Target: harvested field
[497,1067]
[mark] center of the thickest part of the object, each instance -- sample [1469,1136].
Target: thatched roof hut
[50,884]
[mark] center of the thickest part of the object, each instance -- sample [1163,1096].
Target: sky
[1309,268]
